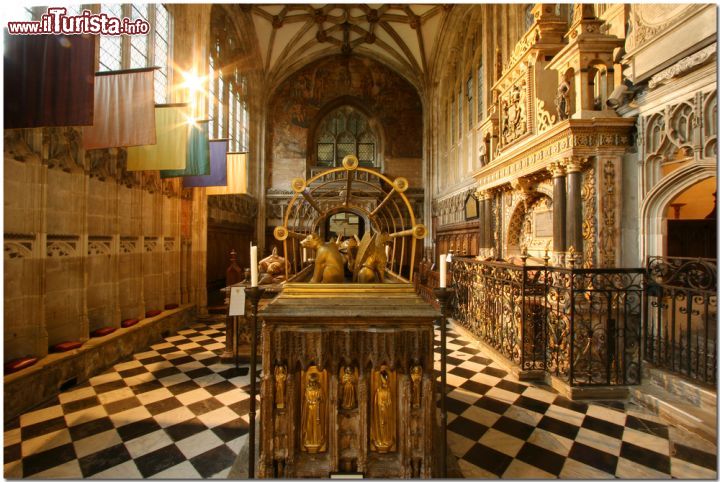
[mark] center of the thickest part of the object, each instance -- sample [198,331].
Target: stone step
[702,397]
[676,410]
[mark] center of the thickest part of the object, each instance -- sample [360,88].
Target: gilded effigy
[348,346]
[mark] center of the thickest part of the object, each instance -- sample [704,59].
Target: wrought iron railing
[680,331]
[581,325]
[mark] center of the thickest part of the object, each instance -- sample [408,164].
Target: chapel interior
[362,241]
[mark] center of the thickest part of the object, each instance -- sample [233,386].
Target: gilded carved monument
[348,336]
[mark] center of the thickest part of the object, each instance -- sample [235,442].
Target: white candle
[253,266]
[443,270]
[387,251]
[304,255]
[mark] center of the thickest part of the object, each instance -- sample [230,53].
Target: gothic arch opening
[691,221]
[346,130]
[658,207]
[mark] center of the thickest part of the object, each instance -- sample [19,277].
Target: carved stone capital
[574,164]
[483,195]
[557,169]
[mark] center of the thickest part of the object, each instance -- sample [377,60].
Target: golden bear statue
[328,260]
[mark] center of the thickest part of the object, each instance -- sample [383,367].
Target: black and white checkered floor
[175,412]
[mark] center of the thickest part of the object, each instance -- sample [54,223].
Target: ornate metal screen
[581,325]
[680,329]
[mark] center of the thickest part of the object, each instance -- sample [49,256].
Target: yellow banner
[170,152]
[236,176]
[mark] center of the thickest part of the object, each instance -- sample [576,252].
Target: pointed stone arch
[655,206]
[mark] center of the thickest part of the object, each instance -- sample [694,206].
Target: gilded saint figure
[280,377]
[416,379]
[313,433]
[348,380]
[382,429]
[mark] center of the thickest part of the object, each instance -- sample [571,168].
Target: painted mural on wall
[388,98]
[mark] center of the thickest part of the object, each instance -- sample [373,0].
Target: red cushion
[151,313]
[19,363]
[65,346]
[105,330]
[171,306]
[129,322]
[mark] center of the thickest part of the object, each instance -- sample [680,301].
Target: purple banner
[218,167]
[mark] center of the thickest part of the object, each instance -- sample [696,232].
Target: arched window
[228,96]
[344,131]
[119,52]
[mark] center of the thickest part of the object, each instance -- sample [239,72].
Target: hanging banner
[236,175]
[218,167]
[170,151]
[49,80]
[198,153]
[124,110]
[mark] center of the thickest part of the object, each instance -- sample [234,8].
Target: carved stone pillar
[487,216]
[558,172]
[482,220]
[609,182]
[574,203]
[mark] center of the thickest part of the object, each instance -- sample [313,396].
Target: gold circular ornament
[401,184]
[298,184]
[350,162]
[419,231]
[281,233]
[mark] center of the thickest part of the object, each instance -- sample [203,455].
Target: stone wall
[389,100]
[87,244]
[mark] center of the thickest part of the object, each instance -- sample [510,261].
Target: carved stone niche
[585,70]
[526,89]
[350,383]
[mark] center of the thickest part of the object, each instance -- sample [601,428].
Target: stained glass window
[469,93]
[111,46]
[345,131]
[480,103]
[227,88]
[138,50]
[460,113]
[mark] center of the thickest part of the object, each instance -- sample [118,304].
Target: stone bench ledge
[34,385]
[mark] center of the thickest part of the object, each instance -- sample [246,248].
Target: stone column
[558,173]
[487,216]
[574,204]
[482,222]
[198,268]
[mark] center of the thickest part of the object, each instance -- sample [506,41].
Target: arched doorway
[691,186]
[691,221]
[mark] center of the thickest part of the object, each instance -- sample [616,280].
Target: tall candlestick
[443,270]
[253,266]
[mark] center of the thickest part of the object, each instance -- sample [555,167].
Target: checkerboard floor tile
[504,428]
[175,412]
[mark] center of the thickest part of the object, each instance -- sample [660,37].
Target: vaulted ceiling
[403,37]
